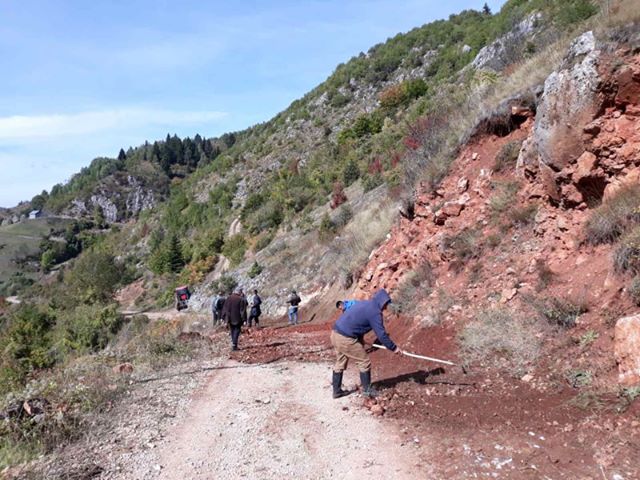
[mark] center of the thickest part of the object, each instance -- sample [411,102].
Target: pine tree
[174,254]
[486,10]
[122,156]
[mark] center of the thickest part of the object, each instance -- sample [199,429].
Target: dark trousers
[253,318]
[235,334]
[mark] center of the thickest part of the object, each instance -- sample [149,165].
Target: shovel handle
[414,355]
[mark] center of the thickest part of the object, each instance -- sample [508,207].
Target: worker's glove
[397,351]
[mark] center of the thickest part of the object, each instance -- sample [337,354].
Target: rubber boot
[367,389]
[337,385]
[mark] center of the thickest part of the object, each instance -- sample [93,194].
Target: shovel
[422,357]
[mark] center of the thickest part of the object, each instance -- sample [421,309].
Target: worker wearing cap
[347,339]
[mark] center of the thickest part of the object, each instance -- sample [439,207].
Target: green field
[22,239]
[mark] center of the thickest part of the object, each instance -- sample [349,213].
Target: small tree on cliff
[175,261]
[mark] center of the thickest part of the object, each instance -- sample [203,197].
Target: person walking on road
[216,308]
[234,312]
[293,301]
[347,338]
[255,312]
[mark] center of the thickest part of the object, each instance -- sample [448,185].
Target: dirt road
[279,421]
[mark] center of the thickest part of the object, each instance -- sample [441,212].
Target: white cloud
[33,127]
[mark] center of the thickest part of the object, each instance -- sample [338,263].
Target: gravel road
[278,421]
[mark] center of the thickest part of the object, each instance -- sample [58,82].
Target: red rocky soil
[482,424]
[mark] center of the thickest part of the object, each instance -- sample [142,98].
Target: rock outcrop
[119,200]
[569,100]
[627,349]
[509,48]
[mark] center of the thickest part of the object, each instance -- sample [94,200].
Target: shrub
[370,182]
[94,277]
[89,327]
[415,286]
[507,155]
[545,274]
[268,216]
[631,393]
[351,172]
[225,283]
[255,270]
[344,216]
[339,100]
[615,216]
[588,338]
[502,336]
[464,245]
[634,290]
[574,11]
[327,228]
[626,257]
[579,378]
[522,216]
[559,311]
[504,198]
[263,242]
[234,248]
[27,343]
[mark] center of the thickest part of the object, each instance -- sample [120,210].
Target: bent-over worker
[347,337]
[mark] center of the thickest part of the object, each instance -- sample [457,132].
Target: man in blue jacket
[347,339]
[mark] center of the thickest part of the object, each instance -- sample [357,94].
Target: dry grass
[557,311]
[609,221]
[501,338]
[545,274]
[415,286]
[507,156]
[633,290]
[464,246]
[504,198]
[626,257]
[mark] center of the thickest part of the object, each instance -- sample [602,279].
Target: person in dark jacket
[234,312]
[216,308]
[293,301]
[254,313]
[347,337]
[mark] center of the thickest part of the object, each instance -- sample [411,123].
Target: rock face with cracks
[627,349]
[568,101]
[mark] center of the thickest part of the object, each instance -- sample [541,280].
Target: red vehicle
[182,297]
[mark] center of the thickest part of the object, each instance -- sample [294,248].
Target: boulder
[449,209]
[627,349]
[569,99]
[632,177]
[548,180]
[571,195]
[587,164]
[528,159]
[463,184]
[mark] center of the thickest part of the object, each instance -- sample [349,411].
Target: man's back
[365,316]
[235,309]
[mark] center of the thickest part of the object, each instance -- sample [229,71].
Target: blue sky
[81,79]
